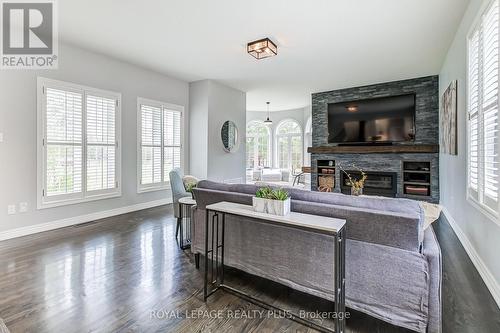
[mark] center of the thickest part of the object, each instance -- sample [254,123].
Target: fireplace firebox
[377,183]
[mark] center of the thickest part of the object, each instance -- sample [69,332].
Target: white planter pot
[259,204]
[279,207]
[274,207]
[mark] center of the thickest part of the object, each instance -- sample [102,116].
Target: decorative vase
[356,191]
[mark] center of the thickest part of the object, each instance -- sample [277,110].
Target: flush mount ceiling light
[268,121]
[262,48]
[352,108]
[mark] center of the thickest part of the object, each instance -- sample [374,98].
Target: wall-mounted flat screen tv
[383,120]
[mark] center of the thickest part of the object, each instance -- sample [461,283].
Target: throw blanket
[431,211]
[3,328]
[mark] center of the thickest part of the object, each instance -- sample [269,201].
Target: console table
[215,221]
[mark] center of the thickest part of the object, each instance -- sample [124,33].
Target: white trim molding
[481,267]
[71,221]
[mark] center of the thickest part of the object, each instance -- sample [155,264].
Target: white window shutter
[161,143]
[151,143]
[489,148]
[101,142]
[474,96]
[79,136]
[63,142]
[483,123]
[171,140]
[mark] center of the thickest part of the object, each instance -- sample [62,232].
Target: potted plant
[267,200]
[259,201]
[279,203]
[190,187]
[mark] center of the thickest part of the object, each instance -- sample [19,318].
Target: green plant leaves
[269,193]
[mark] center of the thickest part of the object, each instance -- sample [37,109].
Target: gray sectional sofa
[393,266]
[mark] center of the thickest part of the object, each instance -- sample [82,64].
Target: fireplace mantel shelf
[395,149]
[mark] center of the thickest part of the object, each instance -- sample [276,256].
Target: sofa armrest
[432,253]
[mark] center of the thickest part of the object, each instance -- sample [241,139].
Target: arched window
[258,145]
[289,145]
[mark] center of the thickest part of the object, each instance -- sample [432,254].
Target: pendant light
[268,121]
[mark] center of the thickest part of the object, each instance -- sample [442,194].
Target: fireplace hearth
[377,183]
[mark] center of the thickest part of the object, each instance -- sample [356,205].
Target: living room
[249,166]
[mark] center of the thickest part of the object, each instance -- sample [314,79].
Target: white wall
[198,128]
[18,123]
[299,115]
[479,235]
[213,104]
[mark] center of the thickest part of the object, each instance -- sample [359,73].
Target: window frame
[44,201]
[165,185]
[474,197]
[269,141]
[277,136]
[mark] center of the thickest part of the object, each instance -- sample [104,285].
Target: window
[483,124]
[78,156]
[160,143]
[289,145]
[258,145]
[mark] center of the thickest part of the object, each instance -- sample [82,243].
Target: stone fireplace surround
[426,90]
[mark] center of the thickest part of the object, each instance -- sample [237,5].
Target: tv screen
[377,120]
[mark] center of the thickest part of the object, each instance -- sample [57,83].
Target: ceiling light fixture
[268,121]
[352,108]
[262,48]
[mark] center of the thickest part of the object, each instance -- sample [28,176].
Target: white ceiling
[322,44]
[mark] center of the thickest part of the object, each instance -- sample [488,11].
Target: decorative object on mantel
[449,120]
[268,121]
[357,185]
[275,202]
[262,48]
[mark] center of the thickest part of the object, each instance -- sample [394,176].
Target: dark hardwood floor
[127,274]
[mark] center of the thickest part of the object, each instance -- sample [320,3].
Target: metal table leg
[185,233]
[213,245]
[215,226]
[339,281]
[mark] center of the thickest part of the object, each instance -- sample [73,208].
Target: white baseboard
[485,273]
[33,229]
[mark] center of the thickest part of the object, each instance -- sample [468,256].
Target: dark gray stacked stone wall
[426,90]
[380,162]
